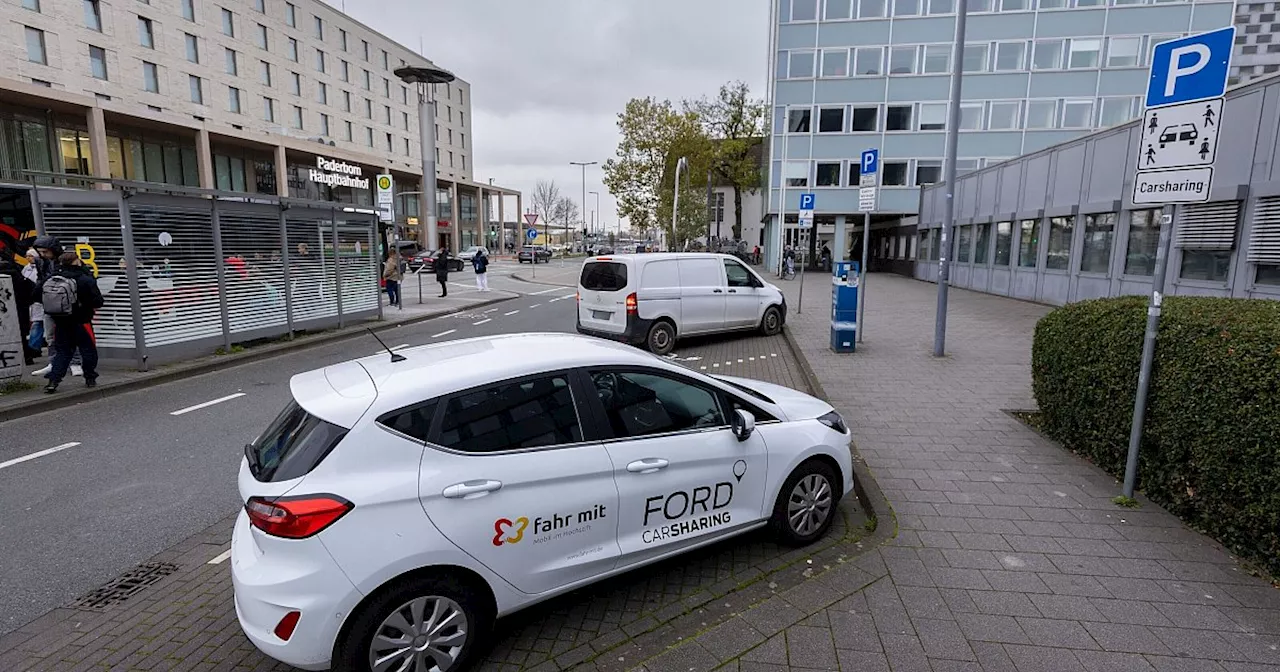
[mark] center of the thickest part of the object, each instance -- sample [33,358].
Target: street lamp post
[426,79]
[593,212]
[681,166]
[584,165]
[949,206]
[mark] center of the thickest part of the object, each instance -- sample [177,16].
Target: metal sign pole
[804,238]
[1148,349]
[862,273]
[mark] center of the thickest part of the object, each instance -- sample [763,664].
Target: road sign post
[807,202]
[386,198]
[868,169]
[1179,144]
[531,218]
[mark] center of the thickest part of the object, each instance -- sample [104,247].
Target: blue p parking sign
[807,201]
[1192,68]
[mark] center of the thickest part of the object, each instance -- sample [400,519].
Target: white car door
[701,296]
[682,476]
[508,478]
[743,307]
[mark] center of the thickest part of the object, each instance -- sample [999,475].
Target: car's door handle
[648,465]
[471,489]
[716,291]
[733,291]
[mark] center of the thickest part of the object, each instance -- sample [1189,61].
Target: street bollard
[419,274]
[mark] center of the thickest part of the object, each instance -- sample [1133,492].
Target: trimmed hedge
[1211,449]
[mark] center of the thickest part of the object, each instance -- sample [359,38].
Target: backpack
[59,295]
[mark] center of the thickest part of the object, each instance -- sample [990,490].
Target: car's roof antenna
[394,357]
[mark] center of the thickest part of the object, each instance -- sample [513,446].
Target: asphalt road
[139,472]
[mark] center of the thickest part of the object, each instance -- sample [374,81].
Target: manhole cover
[125,586]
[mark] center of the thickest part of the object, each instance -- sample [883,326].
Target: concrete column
[840,246]
[204,160]
[455,228]
[99,166]
[502,224]
[482,217]
[282,172]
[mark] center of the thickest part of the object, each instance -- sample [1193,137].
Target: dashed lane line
[546,291]
[510,313]
[534,306]
[484,321]
[38,454]
[220,558]
[207,404]
[444,333]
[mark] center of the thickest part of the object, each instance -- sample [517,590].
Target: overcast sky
[548,77]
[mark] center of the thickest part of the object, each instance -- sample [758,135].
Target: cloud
[548,77]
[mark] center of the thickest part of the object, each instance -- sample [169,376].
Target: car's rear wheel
[771,323]
[662,338]
[806,505]
[421,623]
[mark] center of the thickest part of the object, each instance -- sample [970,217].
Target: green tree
[736,123]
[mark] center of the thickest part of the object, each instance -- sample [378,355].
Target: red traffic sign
[531,218]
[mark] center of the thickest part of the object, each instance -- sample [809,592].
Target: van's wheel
[661,339]
[806,504]
[771,323]
[421,623]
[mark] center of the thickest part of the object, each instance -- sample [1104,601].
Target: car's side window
[529,413]
[641,404]
[737,275]
[414,422]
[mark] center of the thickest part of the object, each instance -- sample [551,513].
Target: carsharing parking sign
[1183,115]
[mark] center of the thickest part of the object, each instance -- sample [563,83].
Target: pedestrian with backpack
[70,298]
[480,263]
[48,249]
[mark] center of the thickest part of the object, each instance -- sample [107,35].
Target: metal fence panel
[358,265]
[93,231]
[255,288]
[312,286]
[177,271]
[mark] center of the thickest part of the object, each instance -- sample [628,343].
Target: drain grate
[125,586]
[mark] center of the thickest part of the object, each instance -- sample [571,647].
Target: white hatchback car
[400,504]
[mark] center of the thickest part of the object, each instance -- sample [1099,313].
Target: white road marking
[444,333]
[546,291]
[510,313]
[221,558]
[715,366]
[739,361]
[491,310]
[398,347]
[476,324]
[773,354]
[569,296]
[207,404]
[38,453]
[704,368]
[561,298]
[534,306]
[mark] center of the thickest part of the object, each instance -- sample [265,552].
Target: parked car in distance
[533,254]
[425,262]
[470,253]
[654,298]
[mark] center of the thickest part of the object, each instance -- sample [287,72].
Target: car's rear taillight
[631,304]
[296,517]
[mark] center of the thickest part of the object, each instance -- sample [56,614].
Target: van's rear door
[602,295]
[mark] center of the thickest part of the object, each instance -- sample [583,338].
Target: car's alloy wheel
[771,323]
[806,504]
[809,505]
[662,339]
[425,633]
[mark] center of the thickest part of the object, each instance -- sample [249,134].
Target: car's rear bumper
[635,333]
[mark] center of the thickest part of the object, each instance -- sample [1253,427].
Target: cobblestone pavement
[186,621]
[1009,554]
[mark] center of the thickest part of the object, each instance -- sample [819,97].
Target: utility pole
[711,209]
[949,208]
[584,165]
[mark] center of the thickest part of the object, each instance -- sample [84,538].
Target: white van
[653,299]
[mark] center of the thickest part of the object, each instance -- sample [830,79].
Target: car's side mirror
[743,424]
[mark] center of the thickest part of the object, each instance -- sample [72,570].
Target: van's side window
[737,275]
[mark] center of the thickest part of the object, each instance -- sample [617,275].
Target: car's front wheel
[806,505]
[420,623]
[771,323]
[661,339]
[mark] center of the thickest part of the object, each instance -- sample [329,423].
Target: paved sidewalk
[1009,554]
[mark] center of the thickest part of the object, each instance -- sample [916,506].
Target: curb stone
[214,363]
[518,277]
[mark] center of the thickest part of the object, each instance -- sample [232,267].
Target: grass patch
[1126,502]
[236,348]
[15,385]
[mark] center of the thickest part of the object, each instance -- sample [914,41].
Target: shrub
[1211,447]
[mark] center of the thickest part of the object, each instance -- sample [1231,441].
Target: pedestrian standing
[70,297]
[35,338]
[48,249]
[442,270]
[481,263]
[23,293]
[392,274]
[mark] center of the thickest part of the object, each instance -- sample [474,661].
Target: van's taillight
[296,517]
[631,303]
[577,296]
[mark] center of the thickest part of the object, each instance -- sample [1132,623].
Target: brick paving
[1008,554]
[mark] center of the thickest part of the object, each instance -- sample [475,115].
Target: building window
[835,62]
[324,124]
[33,5]
[386,60]
[295,84]
[368,81]
[365,45]
[964,242]
[828,174]
[902,60]
[1144,241]
[405,119]
[831,120]
[1083,53]
[796,173]
[897,118]
[1013,5]
[386,88]
[941,6]
[1004,242]
[1116,111]
[1206,233]
[197,89]
[98,62]
[406,146]
[260,38]
[906,7]
[1047,55]
[866,60]
[264,71]
[971,117]
[404,95]
[342,37]
[36,52]
[1209,265]
[928,172]
[837,10]
[322,93]
[1077,114]
[1122,52]
[982,243]
[871,9]
[150,77]
[232,67]
[368,136]
[386,116]
[975,57]
[193,47]
[260,5]
[865,119]
[1059,247]
[895,174]
[146,33]
[1010,56]
[228,23]
[268,109]
[346,131]
[798,120]
[346,101]
[92,15]
[1028,244]
[233,99]
[1004,115]
[1041,113]
[804,10]
[1052,4]
[389,140]
[291,49]
[291,15]
[800,64]
[933,116]
[189,10]
[1098,233]
[937,58]
[320,61]
[297,117]
[346,71]
[319,28]
[368,109]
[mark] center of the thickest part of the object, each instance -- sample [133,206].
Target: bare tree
[546,199]
[567,212]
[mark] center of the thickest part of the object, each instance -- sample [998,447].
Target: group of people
[56,299]
[393,269]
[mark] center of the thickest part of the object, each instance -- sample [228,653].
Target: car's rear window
[604,276]
[292,446]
